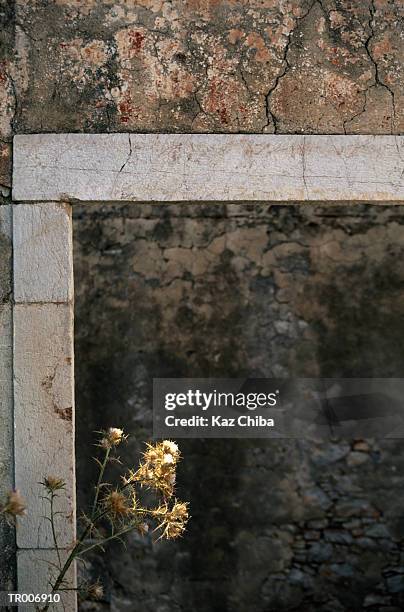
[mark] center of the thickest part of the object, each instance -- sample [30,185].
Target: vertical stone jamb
[7,532]
[43,386]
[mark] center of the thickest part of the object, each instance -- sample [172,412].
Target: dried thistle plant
[116,510]
[13,507]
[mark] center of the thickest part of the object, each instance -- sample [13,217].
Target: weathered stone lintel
[207,167]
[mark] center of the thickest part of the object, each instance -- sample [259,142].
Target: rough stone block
[5,254]
[42,253]
[7,539]
[44,426]
[6,400]
[38,581]
[6,426]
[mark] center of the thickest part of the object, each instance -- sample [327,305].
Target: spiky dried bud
[115,436]
[168,459]
[173,521]
[15,504]
[112,437]
[158,466]
[53,483]
[95,591]
[179,511]
[116,504]
[171,447]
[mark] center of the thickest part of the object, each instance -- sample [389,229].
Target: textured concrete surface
[207,167]
[232,290]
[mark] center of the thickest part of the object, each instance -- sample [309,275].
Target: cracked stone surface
[329,66]
[235,290]
[207,167]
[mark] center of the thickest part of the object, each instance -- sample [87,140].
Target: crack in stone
[378,81]
[362,110]
[304,166]
[13,88]
[271,117]
[129,155]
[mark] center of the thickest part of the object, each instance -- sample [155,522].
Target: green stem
[86,531]
[113,537]
[62,574]
[72,556]
[99,482]
[116,535]
[67,564]
[52,518]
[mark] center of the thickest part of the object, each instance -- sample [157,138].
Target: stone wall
[231,290]
[305,66]
[7,535]
[330,66]
[296,66]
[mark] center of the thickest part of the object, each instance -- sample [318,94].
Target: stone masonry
[317,527]
[231,290]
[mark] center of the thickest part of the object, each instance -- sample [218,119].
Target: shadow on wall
[235,290]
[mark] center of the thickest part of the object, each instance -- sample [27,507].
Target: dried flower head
[116,504]
[112,437]
[158,466]
[15,505]
[173,521]
[171,447]
[168,459]
[95,591]
[115,435]
[53,483]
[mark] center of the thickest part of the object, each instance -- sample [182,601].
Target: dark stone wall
[230,290]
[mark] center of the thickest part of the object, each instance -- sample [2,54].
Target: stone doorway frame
[51,172]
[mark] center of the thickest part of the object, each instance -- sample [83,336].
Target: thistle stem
[52,520]
[102,542]
[72,556]
[99,482]
[67,564]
